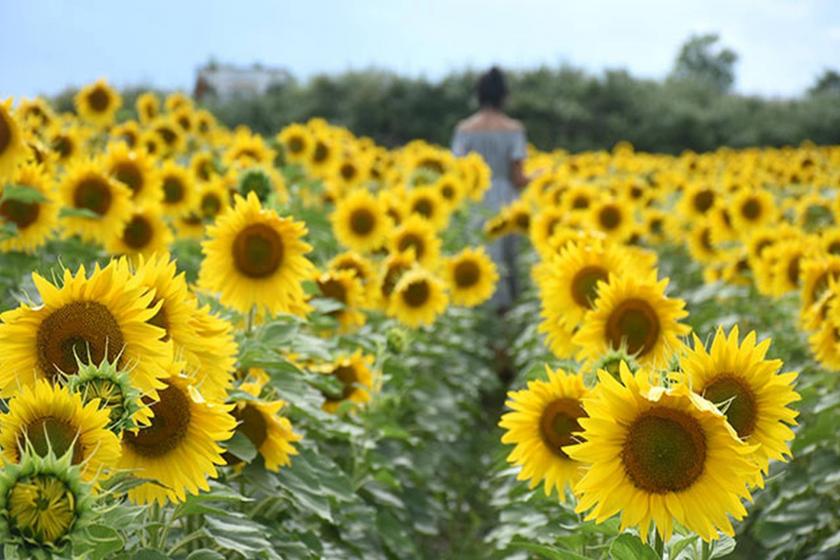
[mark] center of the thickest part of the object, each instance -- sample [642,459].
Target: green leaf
[22,193]
[78,213]
[550,552]
[149,554]
[99,541]
[630,547]
[722,547]
[241,446]
[205,554]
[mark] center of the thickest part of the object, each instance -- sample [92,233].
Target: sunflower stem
[705,550]
[250,322]
[658,544]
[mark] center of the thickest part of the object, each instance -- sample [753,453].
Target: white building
[226,81]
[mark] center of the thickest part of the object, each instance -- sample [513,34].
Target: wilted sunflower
[748,389]
[418,299]
[356,379]
[44,505]
[46,417]
[543,420]
[180,447]
[148,107]
[179,192]
[135,169]
[471,276]
[360,222]
[145,233]
[34,213]
[101,205]
[632,311]
[255,258]
[105,315]
[97,103]
[416,238]
[12,147]
[659,455]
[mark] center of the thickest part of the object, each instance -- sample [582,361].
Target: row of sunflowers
[219,344]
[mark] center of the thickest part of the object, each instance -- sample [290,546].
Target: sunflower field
[215,344]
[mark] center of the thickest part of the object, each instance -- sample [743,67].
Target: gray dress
[499,148]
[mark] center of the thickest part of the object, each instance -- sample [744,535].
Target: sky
[48,45]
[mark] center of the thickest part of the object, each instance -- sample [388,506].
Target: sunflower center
[296,145]
[412,241]
[128,173]
[793,270]
[173,190]
[22,214]
[258,251]
[424,207]
[751,209]
[635,322]
[348,171]
[99,99]
[168,427]
[580,203]
[416,294]
[138,232]
[5,133]
[210,205]
[41,508]
[741,409]
[80,328]
[362,221]
[447,191]
[523,221]
[321,152]
[706,240]
[664,451]
[333,289]
[558,422]
[50,433]
[467,274]
[93,194]
[585,285]
[704,200]
[251,423]
[609,217]
[834,248]
[205,170]
[655,226]
[167,134]
[349,379]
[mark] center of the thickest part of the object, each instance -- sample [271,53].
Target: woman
[500,140]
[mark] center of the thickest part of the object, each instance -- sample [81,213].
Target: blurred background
[667,76]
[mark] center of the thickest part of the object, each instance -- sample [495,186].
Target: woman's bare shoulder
[482,122]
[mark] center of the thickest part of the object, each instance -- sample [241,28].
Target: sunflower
[546,223]
[343,287]
[169,136]
[579,198]
[180,448]
[12,148]
[418,299]
[818,272]
[134,169]
[35,113]
[786,258]
[256,258]
[698,199]
[322,156]
[391,270]
[269,432]
[105,315]
[659,455]
[569,283]
[127,132]
[46,418]
[544,416]
[148,107]
[416,237]
[205,123]
[33,219]
[297,142]
[350,171]
[247,150]
[632,310]
[112,390]
[101,205]
[145,233]
[360,222]
[752,208]
[355,377]
[184,117]
[701,245]
[203,166]
[426,203]
[177,100]
[612,217]
[179,192]
[471,276]
[67,143]
[748,389]
[361,267]
[44,506]
[97,103]
[451,190]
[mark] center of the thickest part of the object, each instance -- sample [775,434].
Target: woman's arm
[517,176]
